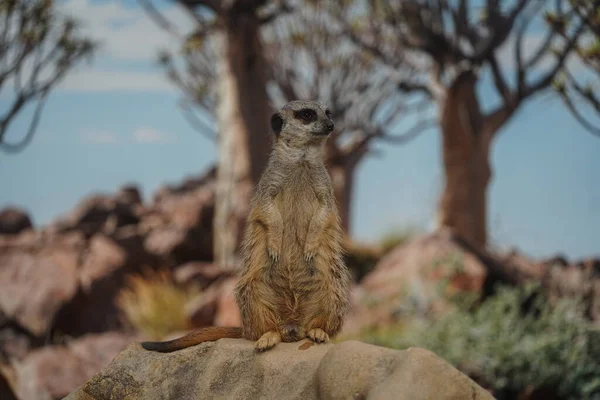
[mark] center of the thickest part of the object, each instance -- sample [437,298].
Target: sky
[116,121]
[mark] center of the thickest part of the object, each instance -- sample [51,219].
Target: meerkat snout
[329,125]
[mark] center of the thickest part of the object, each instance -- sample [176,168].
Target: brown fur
[294,283]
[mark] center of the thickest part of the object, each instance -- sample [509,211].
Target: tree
[453,47]
[239,100]
[575,91]
[306,60]
[37,49]
[309,61]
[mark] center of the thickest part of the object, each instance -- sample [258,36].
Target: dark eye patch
[328,113]
[306,115]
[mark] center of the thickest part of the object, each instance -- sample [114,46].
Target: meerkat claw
[273,255]
[309,256]
[318,335]
[267,341]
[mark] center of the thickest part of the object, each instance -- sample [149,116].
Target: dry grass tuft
[154,305]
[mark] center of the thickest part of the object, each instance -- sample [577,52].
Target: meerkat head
[302,123]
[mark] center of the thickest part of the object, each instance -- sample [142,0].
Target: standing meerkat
[293,283]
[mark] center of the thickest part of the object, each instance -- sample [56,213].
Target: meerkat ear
[276,123]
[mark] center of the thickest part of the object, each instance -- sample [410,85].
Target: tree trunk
[244,142]
[465,146]
[342,178]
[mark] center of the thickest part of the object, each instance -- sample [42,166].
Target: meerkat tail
[208,334]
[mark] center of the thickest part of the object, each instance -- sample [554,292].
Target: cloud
[150,135]
[127,33]
[140,135]
[129,44]
[96,80]
[100,137]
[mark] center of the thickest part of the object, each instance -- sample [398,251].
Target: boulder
[52,372]
[13,221]
[202,274]
[231,369]
[129,194]
[179,222]
[104,266]
[34,286]
[6,390]
[98,213]
[415,278]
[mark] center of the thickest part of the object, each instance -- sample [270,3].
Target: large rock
[105,265]
[179,222]
[415,278]
[53,372]
[231,369]
[99,213]
[13,221]
[6,390]
[33,287]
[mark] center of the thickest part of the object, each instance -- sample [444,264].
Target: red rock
[228,313]
[53,372]
[203,274]
[98,213]
[34,287]
[129,194]
[103,258]
[6,390]
[411,275]
[13,221]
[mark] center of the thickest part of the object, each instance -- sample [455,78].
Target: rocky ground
[60,324]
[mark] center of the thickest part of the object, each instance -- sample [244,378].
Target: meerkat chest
[302,184]
[298,199]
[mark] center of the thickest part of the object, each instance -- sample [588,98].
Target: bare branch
[19,146]
[198,124]
[499,80]
[594,130]
[410,134]
[36,53]
[158,18]
[214,5]
[547,78]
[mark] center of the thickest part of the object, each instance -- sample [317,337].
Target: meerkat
[293,283]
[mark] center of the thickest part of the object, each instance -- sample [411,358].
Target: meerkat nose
[330,125]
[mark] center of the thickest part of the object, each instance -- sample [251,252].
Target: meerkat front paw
[273,254]
[267,341]
[309,256]
[310,253]
[273,249]
[318,335]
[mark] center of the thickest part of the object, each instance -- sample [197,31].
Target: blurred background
[465,164]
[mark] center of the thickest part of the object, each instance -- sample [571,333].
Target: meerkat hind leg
[268,340]
[318,335]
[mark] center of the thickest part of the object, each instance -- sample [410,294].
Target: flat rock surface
[231,369]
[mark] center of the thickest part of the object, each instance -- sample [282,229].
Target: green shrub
[509,349]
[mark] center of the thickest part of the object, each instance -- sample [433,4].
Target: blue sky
[116,121]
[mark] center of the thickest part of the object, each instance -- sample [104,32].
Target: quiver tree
[37,49]
[581,94]
[305,59]
[309,60]
[453,45]
[228,81]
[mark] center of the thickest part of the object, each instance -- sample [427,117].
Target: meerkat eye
[328,113]
[306,114]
